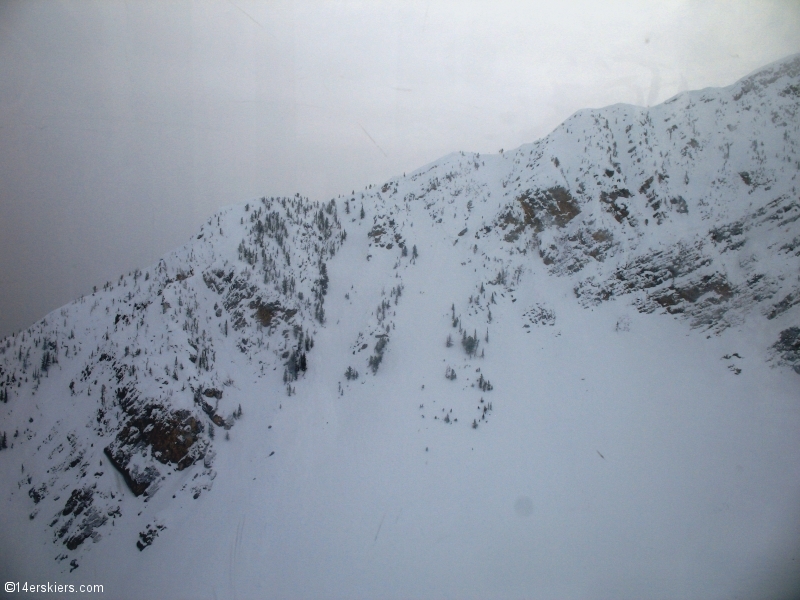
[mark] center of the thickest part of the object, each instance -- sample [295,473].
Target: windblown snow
[568,370]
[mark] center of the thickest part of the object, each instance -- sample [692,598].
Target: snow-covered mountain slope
[567,370]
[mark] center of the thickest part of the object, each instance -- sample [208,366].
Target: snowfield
[569,370]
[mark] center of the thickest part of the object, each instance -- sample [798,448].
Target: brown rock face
[554,205]
[170,436]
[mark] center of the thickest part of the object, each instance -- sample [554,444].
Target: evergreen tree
[470,343]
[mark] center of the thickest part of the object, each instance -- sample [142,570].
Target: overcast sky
[124,125]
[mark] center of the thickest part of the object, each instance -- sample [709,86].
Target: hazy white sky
[124,125]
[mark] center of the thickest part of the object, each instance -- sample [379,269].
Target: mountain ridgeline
[685,211]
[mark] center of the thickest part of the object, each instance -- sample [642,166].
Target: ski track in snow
[379,527]
[234,557]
